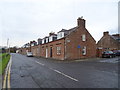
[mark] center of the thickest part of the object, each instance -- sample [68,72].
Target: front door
[46,53]
[50,51]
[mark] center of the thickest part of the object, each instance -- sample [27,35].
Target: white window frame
[84,50]
[83,37]
[46,40]
[50,38]
[57,35]
[60,35]
[58,50]
[32,44]
[43,41]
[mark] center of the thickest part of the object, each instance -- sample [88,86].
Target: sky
[24,20]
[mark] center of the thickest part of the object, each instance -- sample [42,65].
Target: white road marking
[66,75]
[9,71]
[6,82]
[39,63]
[59,72]
[51,68]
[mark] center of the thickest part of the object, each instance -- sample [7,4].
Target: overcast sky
[25,20]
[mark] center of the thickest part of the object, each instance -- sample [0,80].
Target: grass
[4,59]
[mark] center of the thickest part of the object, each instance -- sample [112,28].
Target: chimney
[81,22]
[105,33]
[52,33]
[30,42]
[116,35]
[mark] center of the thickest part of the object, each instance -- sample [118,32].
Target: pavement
[32,72]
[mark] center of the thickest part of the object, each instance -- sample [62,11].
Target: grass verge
[4,59]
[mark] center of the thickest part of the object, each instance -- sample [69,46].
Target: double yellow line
[6,81]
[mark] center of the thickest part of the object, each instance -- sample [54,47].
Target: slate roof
[116,37]
[67,32]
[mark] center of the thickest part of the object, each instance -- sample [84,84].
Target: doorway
[46,52]
[50,51]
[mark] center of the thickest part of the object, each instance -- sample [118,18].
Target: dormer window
[32,44]
[43,41]
[50,38]
[47,40]
[83,37]
[60,35]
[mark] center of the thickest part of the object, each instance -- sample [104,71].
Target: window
[84,50]
[50,38]
[46,40]
[42,41]
[57,35]
[32,44]
[38,50]
[58,50]
[60,35]
[83,37]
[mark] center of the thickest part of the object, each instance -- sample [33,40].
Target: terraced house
[74,43]
[108,43]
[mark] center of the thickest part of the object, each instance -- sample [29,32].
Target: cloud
[54,1]
[25,20]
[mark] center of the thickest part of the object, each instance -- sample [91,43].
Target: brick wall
[49,50]
[35,50]
[74,40]
[107,43]
[69,47]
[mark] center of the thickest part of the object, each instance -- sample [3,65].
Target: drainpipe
[64,49]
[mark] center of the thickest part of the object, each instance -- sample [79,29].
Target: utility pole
[7,45]
[9,49]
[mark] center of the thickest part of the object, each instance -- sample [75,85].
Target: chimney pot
[52,33]
[81,22]
[105,33]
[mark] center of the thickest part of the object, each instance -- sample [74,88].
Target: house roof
[63,30]
[116,37]
[71,30]
[67,32]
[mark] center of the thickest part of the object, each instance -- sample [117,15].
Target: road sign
[78,46]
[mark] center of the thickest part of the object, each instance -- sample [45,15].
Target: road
[31,72]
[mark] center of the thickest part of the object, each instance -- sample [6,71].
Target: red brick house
[35,50]
[29,47]
[74,43]
[50,50]
[108,42]
[24,49]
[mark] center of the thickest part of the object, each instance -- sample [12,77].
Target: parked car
[29,54]
[117,52]
[108,54]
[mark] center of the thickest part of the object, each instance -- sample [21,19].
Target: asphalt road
[31,72]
